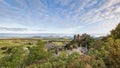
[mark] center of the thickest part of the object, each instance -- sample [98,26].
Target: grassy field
[13,42]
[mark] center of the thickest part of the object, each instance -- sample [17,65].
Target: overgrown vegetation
[102,53]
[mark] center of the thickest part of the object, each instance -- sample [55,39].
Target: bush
[16,59]
[37,53]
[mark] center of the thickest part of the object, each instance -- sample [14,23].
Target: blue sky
[95,17]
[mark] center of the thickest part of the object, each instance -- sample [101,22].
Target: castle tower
[78,37]
[75,37]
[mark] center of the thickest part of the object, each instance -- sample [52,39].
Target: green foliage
[17,58]
[21,56]
[116,32]
[99,63]
[73,56]
[103,53]
[37,53]
[109,49]
[89,41]
[113,59]
[84,40]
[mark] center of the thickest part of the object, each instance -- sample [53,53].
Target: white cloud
[64,16]
[117,10]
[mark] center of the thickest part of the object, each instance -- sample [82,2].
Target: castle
[77,37]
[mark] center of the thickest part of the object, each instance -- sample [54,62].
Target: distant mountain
[36,35]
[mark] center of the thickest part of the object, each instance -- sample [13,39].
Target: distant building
[77,37]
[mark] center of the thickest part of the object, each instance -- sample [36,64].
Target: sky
[95,17]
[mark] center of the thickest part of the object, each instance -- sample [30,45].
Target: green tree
[87,40]
[116,32]
[37,53]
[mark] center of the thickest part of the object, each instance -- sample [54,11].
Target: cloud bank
[96,17]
